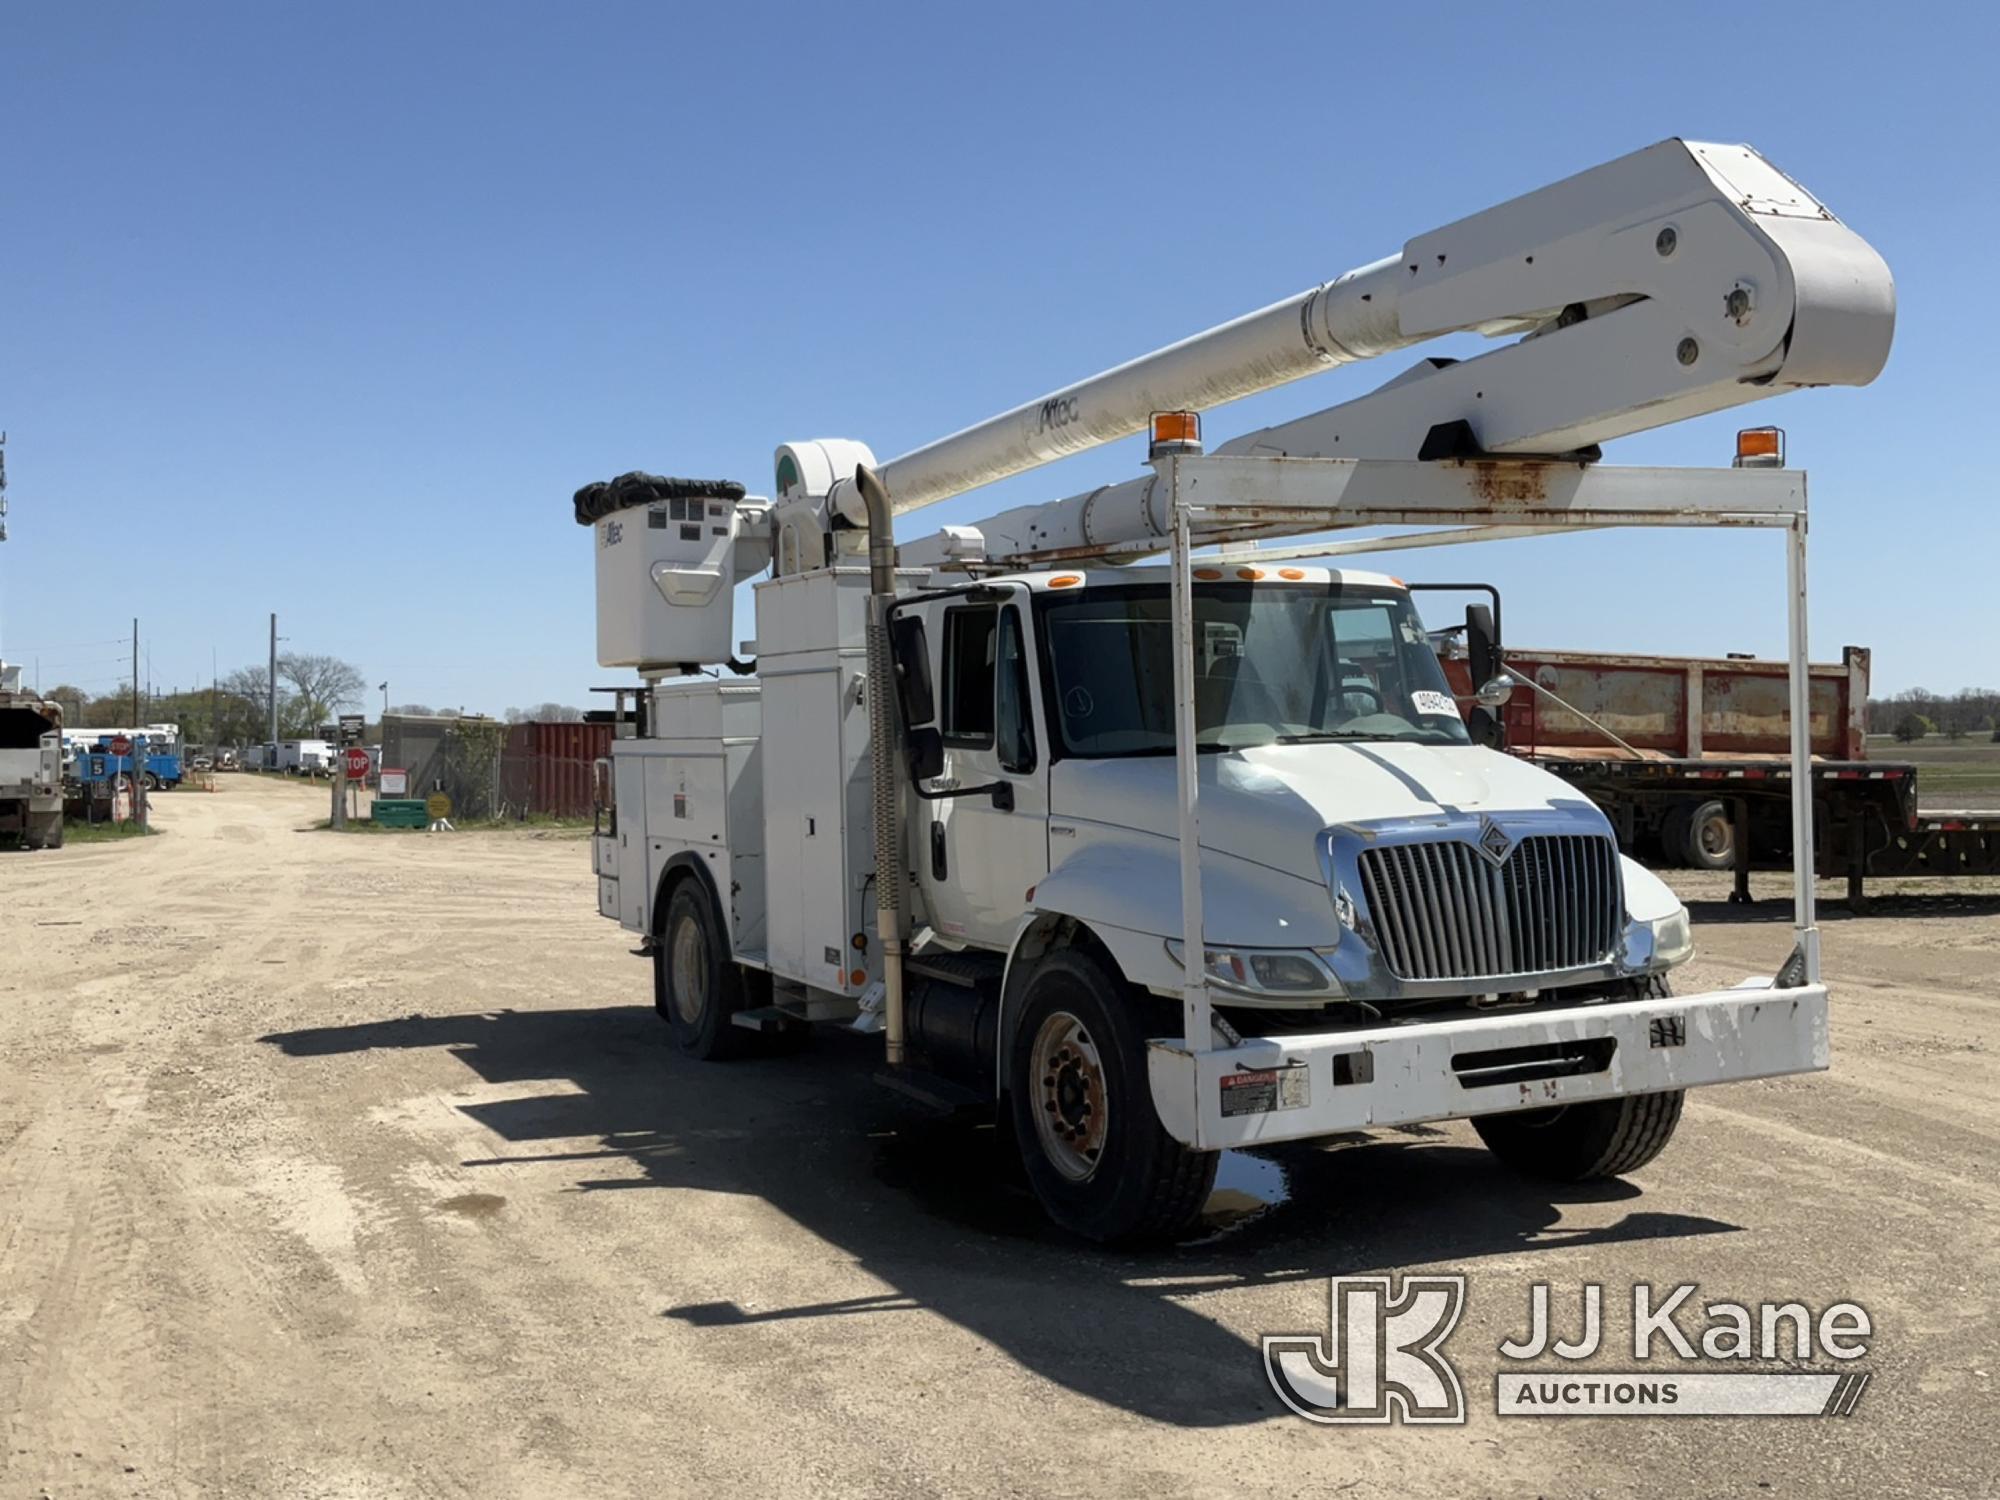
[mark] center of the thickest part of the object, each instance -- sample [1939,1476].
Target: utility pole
[273,685]
[135,671]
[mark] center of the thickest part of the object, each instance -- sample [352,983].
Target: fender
[1647,897]
[670,873]
[1133,882]
[1125,901]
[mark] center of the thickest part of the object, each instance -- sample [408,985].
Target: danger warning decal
[1437,704]
[1265,1090]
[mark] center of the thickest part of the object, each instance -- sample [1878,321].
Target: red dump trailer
[1690,758]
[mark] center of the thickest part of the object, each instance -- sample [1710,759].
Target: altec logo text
[1382,1359]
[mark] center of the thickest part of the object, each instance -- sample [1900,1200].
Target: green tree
[321,686]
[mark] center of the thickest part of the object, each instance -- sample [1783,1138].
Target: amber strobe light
[1176,432]
[1760,448]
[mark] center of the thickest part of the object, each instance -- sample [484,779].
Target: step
[938,1094]
[768,1018]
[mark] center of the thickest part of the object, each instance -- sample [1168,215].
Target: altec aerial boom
[1682,279]
[1066,797]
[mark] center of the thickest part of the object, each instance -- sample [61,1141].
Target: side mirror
[1495,691]
[911,652]
[1482,645]
[924,748]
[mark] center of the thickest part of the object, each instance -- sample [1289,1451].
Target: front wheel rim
[1066,1082]
[689,972]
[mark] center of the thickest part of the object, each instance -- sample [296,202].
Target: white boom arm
[1682,279]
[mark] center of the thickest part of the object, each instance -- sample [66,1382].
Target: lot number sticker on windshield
[1439,704]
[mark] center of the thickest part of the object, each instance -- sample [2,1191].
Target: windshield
[1291,664]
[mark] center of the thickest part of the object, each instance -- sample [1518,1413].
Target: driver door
[981,854]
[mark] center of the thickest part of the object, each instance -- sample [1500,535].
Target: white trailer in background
[1053,776]
[304,757]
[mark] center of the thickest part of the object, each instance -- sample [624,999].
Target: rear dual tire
[697,987]
[1700,835]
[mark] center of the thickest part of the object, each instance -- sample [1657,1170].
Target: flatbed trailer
[1865,814]
[1687,756]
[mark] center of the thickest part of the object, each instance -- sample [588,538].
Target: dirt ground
[338,1166]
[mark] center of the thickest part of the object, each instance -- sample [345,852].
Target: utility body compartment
[765,782]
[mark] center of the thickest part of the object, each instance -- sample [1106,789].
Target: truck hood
[1268,804]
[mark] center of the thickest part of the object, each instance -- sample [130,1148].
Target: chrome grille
[1443,910]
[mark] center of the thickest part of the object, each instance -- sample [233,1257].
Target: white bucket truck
[986,792]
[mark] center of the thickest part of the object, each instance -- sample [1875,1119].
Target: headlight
[1266,971]
[1673,939]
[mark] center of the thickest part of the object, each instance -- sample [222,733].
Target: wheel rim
[1071,1113]
[689,976]
[1714,837]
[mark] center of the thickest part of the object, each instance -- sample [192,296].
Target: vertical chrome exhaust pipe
[884,756]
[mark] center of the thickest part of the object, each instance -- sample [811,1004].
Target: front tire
[1587,1141]
[1081,1106]
[1591,1139]
[697,988]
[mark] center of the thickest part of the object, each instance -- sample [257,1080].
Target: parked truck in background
[154,758]
[1687,756]
[31,800]
[305,757]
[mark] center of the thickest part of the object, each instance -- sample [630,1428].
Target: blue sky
[327,309]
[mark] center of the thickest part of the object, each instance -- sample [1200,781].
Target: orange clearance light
[1175,432]
[1760,448]
[858,978]
[1294,574]
[1208,575]
[1249,575]
[1066,581]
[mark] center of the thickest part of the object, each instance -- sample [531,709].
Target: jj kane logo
[1381,1358]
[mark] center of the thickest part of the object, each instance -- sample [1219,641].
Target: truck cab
[1356,844]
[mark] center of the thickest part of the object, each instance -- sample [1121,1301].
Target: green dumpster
[401,812]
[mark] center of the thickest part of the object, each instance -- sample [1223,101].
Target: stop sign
[121,744]
[357,763]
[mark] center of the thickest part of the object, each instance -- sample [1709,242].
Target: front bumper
[1268,1089]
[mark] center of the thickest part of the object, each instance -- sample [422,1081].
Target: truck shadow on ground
[941,1213]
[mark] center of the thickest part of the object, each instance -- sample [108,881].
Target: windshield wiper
[1330,734]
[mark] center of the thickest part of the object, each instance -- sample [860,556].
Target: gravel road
[354,1166]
